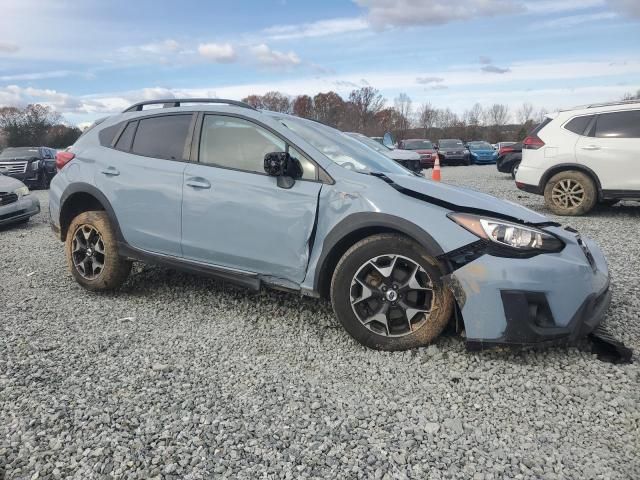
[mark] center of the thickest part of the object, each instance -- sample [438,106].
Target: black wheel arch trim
[82,187]
[563,167]
[369,221]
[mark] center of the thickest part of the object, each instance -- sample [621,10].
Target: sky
[91,58]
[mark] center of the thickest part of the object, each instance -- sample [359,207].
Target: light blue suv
[264,198]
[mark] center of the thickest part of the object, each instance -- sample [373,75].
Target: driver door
[234,215]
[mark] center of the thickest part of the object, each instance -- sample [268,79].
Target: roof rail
[607,104]
[176,102]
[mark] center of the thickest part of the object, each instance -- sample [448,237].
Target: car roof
[604,107]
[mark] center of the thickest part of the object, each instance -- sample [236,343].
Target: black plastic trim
[620,194]
[176,102]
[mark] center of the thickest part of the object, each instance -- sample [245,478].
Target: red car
[423,147]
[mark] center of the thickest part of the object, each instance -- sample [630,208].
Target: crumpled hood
[398,154]
[464,199]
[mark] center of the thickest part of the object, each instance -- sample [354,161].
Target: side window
[162,136]
[124,142]
[239,144]
[618,124]
[578,124]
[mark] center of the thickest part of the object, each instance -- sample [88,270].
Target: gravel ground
[178,376]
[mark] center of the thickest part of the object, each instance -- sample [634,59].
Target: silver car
[406,158]
[17,205]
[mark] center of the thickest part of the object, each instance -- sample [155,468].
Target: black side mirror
[281,165]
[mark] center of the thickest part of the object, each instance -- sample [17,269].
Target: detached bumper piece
[608,348]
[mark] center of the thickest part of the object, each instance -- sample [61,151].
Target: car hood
[8,184]
[423,151]
[463,199]
[449,150]
[402,155]
[483,151]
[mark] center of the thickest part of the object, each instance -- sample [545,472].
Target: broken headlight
[508,234]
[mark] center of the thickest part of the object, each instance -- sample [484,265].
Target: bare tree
[366,102]
[497,115]
[254,100]
[29,126]
[426,117]
[303,106]
[539,116]
[329,108]
[402,105]
[524,113]
[276,102]
[474,115]
[630,96]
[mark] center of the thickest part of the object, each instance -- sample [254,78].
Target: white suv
[577,158]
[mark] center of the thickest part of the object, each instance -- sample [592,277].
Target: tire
[430,310]
[570,193]
[514,169]
[105,270]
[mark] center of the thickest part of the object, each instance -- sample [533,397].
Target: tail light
[504,150]
[62,158]
[532,142]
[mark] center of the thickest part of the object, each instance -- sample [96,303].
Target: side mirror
[284,167]
[387,140]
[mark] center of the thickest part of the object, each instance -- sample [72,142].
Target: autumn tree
[366,101]
[254,100]
[276,102]
[303,106]
[28,126]
[328,108]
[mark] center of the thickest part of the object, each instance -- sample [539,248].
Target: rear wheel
[92,252]
[570,193]
[388,294]
[514,169]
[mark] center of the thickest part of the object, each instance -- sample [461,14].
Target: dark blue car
[482,153]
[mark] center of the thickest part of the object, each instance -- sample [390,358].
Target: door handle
[591,147]
[111,172]
[198,182]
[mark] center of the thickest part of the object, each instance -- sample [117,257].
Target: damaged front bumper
[547,299]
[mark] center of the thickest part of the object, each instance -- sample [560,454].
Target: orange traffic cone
[435,175]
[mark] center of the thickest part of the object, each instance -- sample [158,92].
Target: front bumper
[483,160]
[24,208]
[29,178]
[543,300]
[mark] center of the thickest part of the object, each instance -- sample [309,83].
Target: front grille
[13,167]
[425,156]
[7,198]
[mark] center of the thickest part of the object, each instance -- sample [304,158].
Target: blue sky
[91,58]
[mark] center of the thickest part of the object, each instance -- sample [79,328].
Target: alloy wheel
[568,193]
[392,295]
[88,251]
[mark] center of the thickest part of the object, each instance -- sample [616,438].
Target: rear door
[611,148]
[233,214]
[142,176]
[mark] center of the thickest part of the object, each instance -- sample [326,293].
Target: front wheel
[388,294]
[92,252]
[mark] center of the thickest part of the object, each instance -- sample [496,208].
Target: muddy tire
[388,293]
[92,252]
[514,169]
[570,193]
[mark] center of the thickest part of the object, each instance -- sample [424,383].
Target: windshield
[417,145]
[19,153]
[369,142]
[479,146]
[340,148]
[451,144]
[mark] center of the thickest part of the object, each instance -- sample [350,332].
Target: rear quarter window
[578,124]
[162,136]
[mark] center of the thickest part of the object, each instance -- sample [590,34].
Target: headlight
[35,165]
[508,234]
[22,191]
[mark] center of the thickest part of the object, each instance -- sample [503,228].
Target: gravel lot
[178,376]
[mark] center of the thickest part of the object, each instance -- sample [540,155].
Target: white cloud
[273,58]
[494,69]
[484,60]
[36,76]
[8,47]
[428,80]
[321,28]
[160,52]
[384,13]
[218,52]
[573,20]
[627,7]
[554,6]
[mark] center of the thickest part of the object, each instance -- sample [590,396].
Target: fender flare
[82,187]
[369,221]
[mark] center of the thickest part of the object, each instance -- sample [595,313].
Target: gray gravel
[181,377]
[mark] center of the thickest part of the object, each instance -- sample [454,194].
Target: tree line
[33,126]
[365,110]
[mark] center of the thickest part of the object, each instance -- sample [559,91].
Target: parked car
[266,198]
[453,152]
[577,158]
[509,159]
[407,159]
[17,205]
[35,166]
[423,147]
[378,139]
[481,153]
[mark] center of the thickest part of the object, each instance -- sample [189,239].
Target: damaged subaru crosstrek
[263,198]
